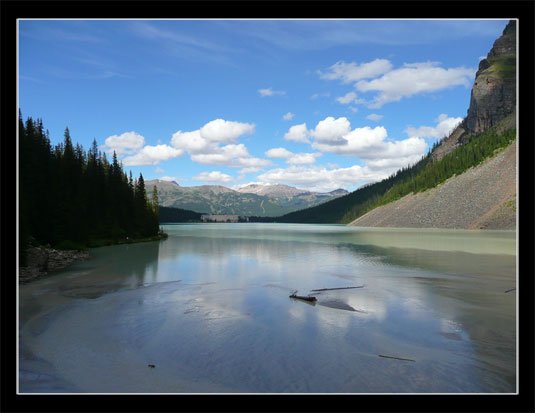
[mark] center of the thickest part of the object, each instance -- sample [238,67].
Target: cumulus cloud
[413,79]
[171,178]
[375,117]
[444,126]
[152,155]
[205,145]
[352,72]
[303,158]
[293,158]
[126,143]
[347,98]
[297,133]
[278,153]
[321,179]
[288,116]
[367,143]
[220,130]
[270,92]
[213,177]
[331,130]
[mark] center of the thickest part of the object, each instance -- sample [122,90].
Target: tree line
[72,198]
[423,175]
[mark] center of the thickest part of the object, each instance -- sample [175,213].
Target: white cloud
[152,155]
[297,133]
[375,117]
[412,79]
[213,177]
[221,155]
[351,72]
[367,143]
[443,128]
[204,145]
[288,116]
[270,92]
[347,98]
[171,178]
[220,130]
[192,142]
[303,158]
[353,109]
[292,158]
[320,179]
[331,130]
[126,143]
[159,171]
[278,153]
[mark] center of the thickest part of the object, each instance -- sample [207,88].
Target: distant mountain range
[251,200]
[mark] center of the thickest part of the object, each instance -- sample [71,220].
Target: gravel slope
[483,197]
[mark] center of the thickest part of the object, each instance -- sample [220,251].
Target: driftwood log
[339,288]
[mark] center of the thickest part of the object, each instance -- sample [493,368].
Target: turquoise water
[209,307]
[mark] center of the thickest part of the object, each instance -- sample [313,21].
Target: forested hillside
[71,198]
[423,175]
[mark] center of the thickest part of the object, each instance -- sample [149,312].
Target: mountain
[252,200]
[467,180]
[493,95]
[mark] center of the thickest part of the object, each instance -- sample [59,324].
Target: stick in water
[397,358]
[339,288]
[512,289]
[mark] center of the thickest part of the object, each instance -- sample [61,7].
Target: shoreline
[43,261]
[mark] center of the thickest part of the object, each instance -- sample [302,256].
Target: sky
[315,104]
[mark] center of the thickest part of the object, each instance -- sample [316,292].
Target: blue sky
[316,104]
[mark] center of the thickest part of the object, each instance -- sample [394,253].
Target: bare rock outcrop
[493,95]
[42,260]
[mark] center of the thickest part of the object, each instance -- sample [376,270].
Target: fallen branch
[339,288]
[512,289]
[397,358]
[301,297]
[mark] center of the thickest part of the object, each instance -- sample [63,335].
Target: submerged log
[338,288]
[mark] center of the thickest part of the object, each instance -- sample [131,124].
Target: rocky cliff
[494,93]
[493,96]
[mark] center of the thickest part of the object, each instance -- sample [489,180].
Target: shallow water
[209,307]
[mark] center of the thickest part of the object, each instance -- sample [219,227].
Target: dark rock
[493,95]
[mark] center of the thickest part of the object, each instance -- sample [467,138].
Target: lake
[209,308]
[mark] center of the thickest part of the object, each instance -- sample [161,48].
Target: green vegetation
[168,214]
[501,67]
[73,199]
[422,176]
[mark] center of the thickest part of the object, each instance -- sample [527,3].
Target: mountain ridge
[271,200]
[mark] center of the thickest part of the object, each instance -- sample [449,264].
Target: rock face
[493,96]
[494,93]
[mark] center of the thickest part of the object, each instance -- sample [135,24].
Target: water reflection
[209,306]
